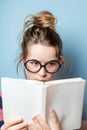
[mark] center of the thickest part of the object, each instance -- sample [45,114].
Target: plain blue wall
[72,26]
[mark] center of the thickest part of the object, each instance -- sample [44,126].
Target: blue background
[72,27]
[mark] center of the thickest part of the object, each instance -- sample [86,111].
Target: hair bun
[42,19]
[45,19]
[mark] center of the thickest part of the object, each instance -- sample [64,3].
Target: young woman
[42,57]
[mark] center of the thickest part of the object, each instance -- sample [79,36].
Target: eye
[52,63]
[34,63]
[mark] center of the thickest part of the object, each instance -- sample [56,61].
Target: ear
[61,59]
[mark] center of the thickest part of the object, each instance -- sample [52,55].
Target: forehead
[41,52]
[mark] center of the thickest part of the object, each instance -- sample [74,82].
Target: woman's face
[43,54]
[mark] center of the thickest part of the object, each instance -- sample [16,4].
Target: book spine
[43,102]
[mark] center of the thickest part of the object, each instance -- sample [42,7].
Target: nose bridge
[43,66]
[42,70]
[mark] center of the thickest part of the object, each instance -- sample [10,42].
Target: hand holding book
[40,124]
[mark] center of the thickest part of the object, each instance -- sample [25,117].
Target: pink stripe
[0,94]
[1,114]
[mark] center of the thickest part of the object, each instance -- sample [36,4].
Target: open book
[28,97]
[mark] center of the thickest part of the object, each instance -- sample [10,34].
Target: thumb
[55,120]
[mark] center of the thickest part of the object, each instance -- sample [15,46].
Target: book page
[67,98]
[21,98]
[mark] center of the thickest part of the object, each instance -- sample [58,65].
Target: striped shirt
[1,112]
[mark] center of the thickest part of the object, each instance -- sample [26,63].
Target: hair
[40,29]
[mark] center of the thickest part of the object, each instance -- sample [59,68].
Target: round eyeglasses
[35,66]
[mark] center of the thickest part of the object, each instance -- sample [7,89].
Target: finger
[20,126]
[12,122]
[32,127]
[36,123]
[55,120]
[41,122]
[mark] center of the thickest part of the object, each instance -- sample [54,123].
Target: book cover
[28,97]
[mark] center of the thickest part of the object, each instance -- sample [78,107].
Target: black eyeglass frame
[42,66]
